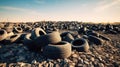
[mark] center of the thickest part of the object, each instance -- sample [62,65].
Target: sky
[60,10]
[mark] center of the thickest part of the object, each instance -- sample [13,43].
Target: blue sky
[56,10]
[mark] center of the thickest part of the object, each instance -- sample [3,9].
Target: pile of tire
[96,38]
[49,44]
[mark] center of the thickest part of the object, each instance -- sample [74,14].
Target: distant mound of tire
[59,50]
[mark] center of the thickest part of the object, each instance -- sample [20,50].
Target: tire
[3,34]
[29,43]
[27,28]
[17,30]
[95,40]
[13,39]
[27,40]
[104,38]
[10,34]
[50,38]
[85,36]
[80,45]
[82,30]
[64,34]
[22,36]
[93,33]
[59,50]
[37,32]
[68,37]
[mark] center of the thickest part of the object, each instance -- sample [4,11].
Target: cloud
[40,1]
[29,11]
[106,4]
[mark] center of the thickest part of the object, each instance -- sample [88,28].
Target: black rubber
[3,34]
[29,43]
[80,45]
[50,38]
[59,50]
[17,30]
[104,38]
[68,37]
[95,40]
[13,39]
[37,32]
[93,33]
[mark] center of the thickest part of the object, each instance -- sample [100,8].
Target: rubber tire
[95,40]
[50,38]
[80,45]
[59,50]
[37,32]
[10,34]
[82,30]
[93,33]
[3,34]
[13,39]
[104,38]
[17,30]
[68,37]
[29,43]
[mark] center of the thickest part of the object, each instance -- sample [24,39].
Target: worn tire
[17,30]
[95,40]
[37,32]
[59,50]
[93,33]
[82,30]
[3,34]
[10,34]
[13,39]
[80,45]
[104,38]
[50,38]
[29,43]
[68,37]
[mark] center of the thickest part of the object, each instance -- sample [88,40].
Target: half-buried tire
[95,40]
[17,30]
[3,34]
[80,45]
[13,39]
[59,50]
[68,37]
[104,38]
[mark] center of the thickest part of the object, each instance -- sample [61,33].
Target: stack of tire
[49,44]
[78,43]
